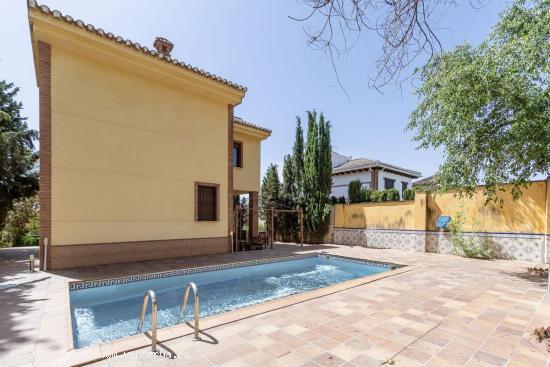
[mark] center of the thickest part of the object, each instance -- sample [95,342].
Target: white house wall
[340,182]
[398,179]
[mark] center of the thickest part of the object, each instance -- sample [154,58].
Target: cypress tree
[269,192]
[325,159]
[287,225]
[355,193]
[289,184]
[317,180]
[298,161]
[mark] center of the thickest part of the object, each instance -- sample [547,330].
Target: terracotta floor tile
[485,311]
[328,360]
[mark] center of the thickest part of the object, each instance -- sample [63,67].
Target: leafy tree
[18,176]
[488,106]
[354,191]
[22,224]
[317,182]
[341,200]
[298,160]
[333,200]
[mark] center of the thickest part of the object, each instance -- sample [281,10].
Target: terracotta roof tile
[240,121]
[365,163]
[100,32]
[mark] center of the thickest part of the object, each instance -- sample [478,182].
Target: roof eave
[253,131]
[55,29]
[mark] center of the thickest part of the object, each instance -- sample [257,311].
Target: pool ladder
[150,294]
[190,286]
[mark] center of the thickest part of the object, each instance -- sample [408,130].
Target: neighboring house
[140,154]
[373,174]
[427,183]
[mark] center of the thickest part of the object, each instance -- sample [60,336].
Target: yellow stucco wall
[126,151]
[393,215]
[247,177]
[528,214]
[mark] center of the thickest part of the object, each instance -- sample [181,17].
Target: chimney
[163,46]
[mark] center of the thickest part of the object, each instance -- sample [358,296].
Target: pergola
[270,214]
[271,226]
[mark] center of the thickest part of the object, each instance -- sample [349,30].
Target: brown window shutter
[207,202]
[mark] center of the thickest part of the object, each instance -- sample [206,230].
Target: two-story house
[140,154]
[373,174]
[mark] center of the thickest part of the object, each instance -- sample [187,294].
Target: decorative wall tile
[511,246]
[527,247]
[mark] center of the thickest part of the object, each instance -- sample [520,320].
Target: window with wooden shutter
[206,202]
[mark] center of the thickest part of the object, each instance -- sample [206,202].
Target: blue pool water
[111,312]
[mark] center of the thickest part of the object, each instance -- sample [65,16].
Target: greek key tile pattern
[77,285]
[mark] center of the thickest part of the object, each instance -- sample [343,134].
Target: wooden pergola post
[301,227]
[272,227]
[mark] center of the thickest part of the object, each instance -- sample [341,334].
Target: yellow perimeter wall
[125,155]
[528,214]
[394,215]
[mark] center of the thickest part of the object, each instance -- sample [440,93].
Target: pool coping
[76,285]
[101,351]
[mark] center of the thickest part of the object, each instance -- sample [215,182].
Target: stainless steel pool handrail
[149,294]
[190,286]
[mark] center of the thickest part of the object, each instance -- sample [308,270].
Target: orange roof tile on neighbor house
[134,45]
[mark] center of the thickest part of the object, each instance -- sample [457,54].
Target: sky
[258,45]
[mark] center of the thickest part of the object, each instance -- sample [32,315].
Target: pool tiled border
[95,283]
[79,357]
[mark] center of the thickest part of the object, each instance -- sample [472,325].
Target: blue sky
[256,44]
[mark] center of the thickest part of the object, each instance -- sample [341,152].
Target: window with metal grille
[206,208]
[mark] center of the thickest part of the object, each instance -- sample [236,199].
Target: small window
[404,186]
[206,202]
[237,154]
[388,183]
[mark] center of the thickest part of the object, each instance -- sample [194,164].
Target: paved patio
[448,312]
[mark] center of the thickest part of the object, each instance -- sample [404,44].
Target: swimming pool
[104,310]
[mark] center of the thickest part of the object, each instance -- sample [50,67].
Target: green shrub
[365,193]
[376,195]
[354,191]
[333,200]
[342,200]
[408,194]
[392,195]
[469,245]
[22,224]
